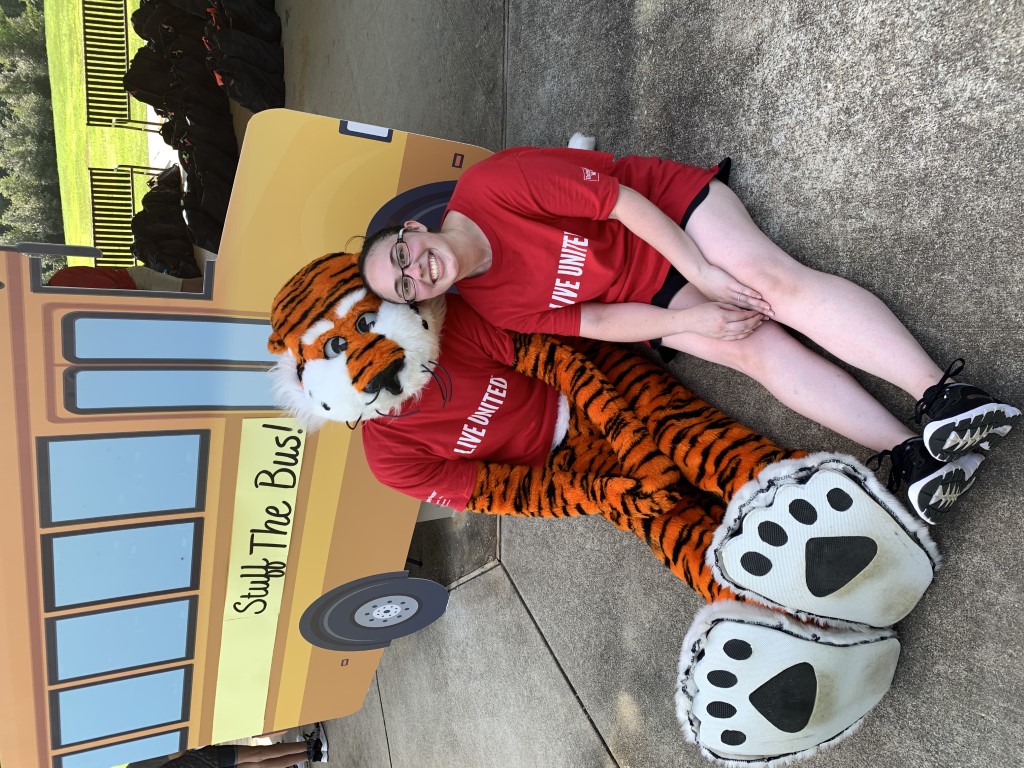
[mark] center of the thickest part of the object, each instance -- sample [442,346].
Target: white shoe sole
[932,496]
[949,439]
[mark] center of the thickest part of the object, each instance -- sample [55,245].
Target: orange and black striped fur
[641,449]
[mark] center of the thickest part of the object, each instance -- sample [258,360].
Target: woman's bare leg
[845,319]
[281,755]
[285,761]
[798,378]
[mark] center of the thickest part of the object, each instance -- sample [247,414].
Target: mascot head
[344,355]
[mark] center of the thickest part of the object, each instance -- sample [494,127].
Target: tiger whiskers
[397,415]
[443,379]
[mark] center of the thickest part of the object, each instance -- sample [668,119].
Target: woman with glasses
[572,242]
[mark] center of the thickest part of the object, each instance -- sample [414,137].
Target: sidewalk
[877,142]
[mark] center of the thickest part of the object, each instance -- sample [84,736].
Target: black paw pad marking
[721,709]
[722,679]
[832,562]
[835,561]
[803,512]
[755,563]
[737,649]
[786,700]
[839,499]
[773,534]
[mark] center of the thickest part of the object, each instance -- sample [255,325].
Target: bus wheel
[371,612]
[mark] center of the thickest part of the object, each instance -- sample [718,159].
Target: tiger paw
[821,538]
[755,685]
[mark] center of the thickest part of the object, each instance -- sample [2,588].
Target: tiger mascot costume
[805,560]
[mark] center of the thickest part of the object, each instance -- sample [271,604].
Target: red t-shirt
[93,277]
[545,214]
[483,411]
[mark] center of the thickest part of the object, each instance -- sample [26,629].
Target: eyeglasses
[406,286]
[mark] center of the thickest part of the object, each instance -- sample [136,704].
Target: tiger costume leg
[679,538]
[667,520]
[714,452]
[675,535]
[754,686]
[824,517]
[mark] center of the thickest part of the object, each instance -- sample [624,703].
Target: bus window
[120,706]
[125,752]
[137,560]
[150,473]
[97,337]
[121,390]
[365,130]
[121,639]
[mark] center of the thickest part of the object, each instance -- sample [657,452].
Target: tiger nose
[387,379]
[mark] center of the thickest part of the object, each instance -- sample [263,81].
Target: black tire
[371,612]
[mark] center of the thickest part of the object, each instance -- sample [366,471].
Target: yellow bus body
[305,186]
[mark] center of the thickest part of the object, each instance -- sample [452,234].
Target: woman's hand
[645,220]
[639,322]
[719,285]
[718,320]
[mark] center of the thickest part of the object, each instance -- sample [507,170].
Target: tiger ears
[275,344]
[319,274]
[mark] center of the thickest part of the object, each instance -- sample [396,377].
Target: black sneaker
[932,485]
[316,744]
[321,734]
[314,751]
[963,417]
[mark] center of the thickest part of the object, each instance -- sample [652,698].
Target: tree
[12,7]
[29,193]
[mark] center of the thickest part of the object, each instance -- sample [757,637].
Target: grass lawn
[80,146]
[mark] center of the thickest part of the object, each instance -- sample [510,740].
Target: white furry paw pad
[758,687]
[819,538]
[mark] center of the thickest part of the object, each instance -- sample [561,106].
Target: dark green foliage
[29,192]
[12,7]
[51,264]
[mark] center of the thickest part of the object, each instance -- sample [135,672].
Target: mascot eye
[366,321]
[334,347]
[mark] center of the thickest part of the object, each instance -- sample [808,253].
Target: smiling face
[420,266]
[343,354]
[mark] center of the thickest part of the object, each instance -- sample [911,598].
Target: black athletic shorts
[217,756]
[674,281]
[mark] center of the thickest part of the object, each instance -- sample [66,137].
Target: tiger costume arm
[559,365]
[552,491]
[640,485]
[702,445]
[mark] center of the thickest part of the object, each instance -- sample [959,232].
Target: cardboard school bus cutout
[183,566]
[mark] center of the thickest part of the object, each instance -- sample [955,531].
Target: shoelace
[897,470]
[875,464]
[926,402]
